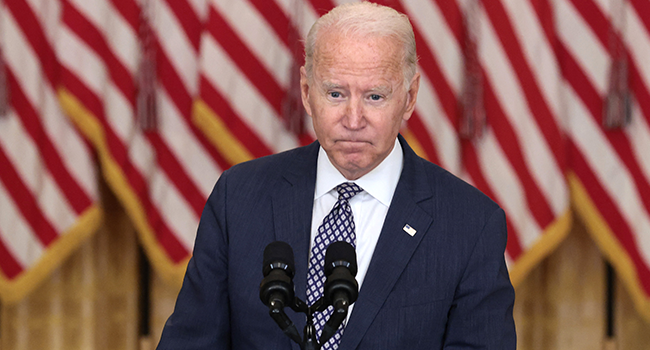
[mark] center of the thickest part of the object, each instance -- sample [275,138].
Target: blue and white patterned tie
[338,225]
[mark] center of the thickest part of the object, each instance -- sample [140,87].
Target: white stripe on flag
[583,45]
[444,136]
[610,171]
[504,181]
[537,51]
[77,57]
[226,77]
[258,37]
[440,40]
[16,233]
[536,152]
[188,150]
[174,209]
[176,47]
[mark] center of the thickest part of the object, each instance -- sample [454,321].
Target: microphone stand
[340,290]
[335,320]
[276,310]
[310,340]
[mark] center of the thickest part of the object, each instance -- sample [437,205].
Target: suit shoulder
[447,188]
[264,171]
[270,163]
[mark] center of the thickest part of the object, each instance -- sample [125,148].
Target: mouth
[352,146]
[352,141]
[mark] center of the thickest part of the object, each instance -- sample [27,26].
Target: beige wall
[92,301]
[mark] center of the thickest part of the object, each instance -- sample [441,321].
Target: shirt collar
[380,182]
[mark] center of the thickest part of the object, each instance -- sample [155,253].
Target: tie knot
[348,190]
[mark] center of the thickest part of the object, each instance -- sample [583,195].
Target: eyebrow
[327,85]
[383,89]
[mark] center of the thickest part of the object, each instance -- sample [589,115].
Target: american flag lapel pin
[410,230]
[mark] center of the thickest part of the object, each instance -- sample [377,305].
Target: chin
[355,165]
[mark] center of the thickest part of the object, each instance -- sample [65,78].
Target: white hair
[365,18]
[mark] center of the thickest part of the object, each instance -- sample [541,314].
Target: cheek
[387,123]
[323,124]
[325,116]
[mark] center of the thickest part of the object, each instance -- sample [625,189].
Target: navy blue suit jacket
[445,287]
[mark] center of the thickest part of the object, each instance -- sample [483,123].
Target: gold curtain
[92,301]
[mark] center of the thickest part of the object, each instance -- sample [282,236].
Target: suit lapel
[394,248]
[292,210]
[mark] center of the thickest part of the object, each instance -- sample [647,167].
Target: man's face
[357,99]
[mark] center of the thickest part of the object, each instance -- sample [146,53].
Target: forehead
[358,55]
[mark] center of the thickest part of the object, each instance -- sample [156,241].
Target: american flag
[48,187]
[541,104]
[600,42]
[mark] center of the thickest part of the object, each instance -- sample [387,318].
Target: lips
[352,146]
[352,141]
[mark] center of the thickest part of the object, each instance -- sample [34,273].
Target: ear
[412,96]
[304,90]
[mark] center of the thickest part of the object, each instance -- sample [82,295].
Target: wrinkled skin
[357,99]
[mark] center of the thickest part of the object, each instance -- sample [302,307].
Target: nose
[354,118]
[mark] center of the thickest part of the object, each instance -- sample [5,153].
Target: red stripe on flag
[417,128]
[446,97]
[174,249]
[642,8]
[218,158]
[641,92]
[322,6]
[115,146]
[453,17]
[544,11]
[471,162]
[431,68]
[34,33]
[26,202]
[172,83]
[597,21]
[527,80]
[610,212]
[189,20]
[9,265]
[621,143]
[177,174]
[282,26]
[248,63]
[95,106]
[511,146]
[237,127]
[138,185]
[76,196]
[617,138]
[95,39]
[130,12]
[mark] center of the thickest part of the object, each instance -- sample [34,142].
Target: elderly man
[430,247]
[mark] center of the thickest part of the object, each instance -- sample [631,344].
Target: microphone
[341,288]
[340,270]
[276,289]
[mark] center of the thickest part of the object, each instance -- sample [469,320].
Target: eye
[375,97]
[335,94]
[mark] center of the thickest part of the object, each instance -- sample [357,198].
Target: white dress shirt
[369,207]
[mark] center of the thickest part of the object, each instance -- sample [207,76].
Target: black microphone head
[278,255]
[340,254]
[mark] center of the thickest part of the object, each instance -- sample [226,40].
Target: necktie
[338,225]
